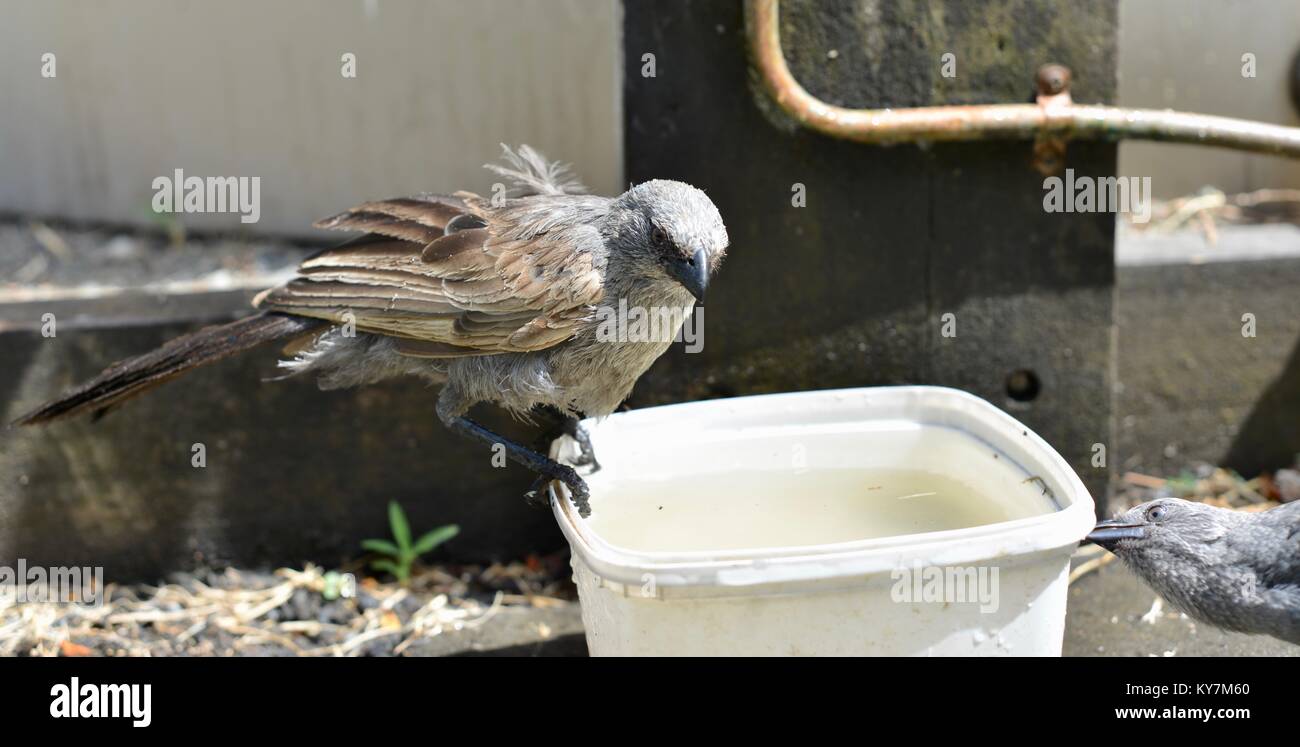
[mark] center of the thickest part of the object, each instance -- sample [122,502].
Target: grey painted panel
[1186,55]
[250,88]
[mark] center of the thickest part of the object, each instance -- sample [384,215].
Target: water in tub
[936,479]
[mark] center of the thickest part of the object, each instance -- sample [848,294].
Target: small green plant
[400,554]
[170,224]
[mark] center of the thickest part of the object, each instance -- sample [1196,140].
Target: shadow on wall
[1270,436]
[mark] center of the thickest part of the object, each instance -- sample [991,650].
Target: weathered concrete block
[852,289]
[292,474]
[1192,386]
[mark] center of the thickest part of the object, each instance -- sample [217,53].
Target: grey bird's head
[1232,569]
[670,231]
[1164,526]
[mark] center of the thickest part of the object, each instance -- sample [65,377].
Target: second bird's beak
[1108,533]
[692,273]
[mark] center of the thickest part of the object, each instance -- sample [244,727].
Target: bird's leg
[545,467]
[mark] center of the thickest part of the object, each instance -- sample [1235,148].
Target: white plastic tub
[706,536]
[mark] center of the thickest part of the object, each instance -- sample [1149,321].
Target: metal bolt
[1053,79]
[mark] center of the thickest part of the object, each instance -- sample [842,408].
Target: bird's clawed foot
[578,492]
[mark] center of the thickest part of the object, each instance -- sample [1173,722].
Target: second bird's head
[671,231]
[1163,525]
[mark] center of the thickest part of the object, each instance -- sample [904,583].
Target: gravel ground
[287,613]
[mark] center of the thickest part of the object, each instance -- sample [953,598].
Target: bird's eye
[1156,513]
[659,236]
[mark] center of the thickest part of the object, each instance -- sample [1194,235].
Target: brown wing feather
[385,225]
[421,218]
[441,294]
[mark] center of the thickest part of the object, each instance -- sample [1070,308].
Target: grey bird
[1234,570]
[497,299]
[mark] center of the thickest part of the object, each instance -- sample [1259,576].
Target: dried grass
[234,613]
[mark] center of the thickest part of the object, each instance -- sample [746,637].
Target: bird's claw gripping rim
[578,492]
[580,496]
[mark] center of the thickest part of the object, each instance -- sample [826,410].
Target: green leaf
[383,547]
[397,520]
[434,538]
[384,564]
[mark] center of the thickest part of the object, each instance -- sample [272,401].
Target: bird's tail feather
[130,377]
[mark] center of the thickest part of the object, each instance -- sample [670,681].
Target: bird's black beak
[1108,533]
[692,273]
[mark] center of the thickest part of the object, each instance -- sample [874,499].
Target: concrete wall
[1186,55]
[249,88]
[851,289]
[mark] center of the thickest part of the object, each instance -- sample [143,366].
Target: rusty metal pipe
[1054,116]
